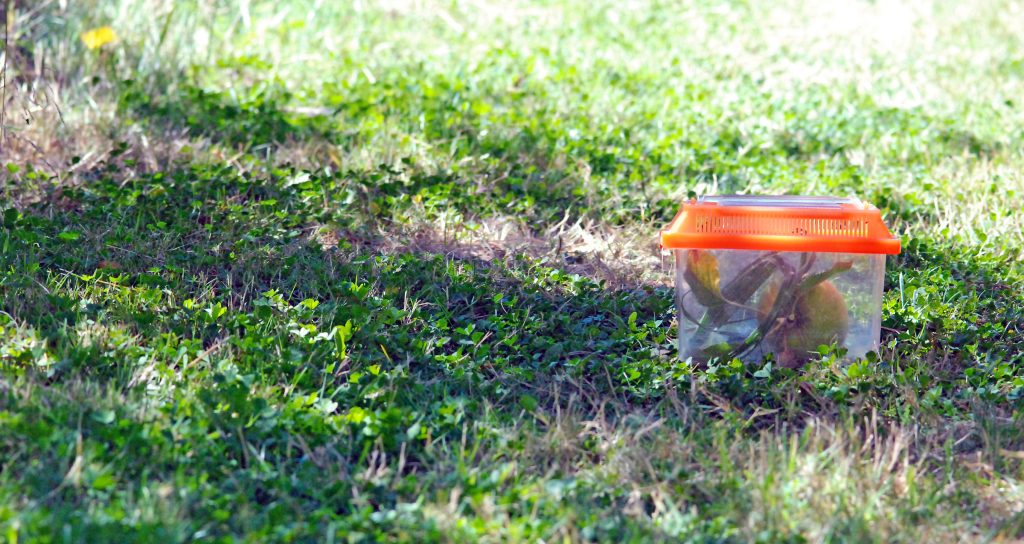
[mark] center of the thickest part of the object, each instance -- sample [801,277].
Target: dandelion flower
[98,37]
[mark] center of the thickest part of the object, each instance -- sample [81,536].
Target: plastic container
[783,275]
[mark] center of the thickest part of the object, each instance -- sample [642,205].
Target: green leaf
[553,352]
[10,217]
[69,236]
[814,279]
[714,351]
[105,417]
[528,402]
[104,481]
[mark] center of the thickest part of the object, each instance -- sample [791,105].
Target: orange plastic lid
[780,223]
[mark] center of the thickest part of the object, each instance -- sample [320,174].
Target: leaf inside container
[703,276]
[722,350]
[736,294]
[811,280]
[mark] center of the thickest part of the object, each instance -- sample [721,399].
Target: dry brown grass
[623,257]
[853,479]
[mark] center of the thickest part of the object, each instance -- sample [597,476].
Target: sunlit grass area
[388,271]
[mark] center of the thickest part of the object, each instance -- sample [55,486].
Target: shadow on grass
[193,253]
[194,331]
[257,373]
[255,119]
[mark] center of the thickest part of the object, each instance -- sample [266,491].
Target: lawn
[323,271]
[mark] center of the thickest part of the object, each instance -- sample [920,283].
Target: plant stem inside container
[795,314]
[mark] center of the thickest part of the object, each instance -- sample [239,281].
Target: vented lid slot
[780,226]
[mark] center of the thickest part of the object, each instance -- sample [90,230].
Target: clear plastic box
[782,275]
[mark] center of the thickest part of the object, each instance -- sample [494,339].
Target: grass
[302,271]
